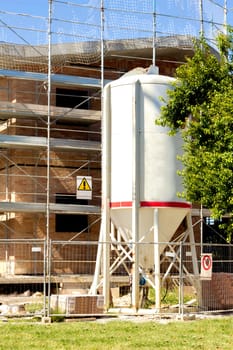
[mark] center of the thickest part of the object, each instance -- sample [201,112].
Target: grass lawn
[118,335]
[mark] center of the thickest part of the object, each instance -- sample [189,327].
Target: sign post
[206,266]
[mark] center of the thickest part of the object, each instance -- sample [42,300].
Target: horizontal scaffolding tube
[12,141]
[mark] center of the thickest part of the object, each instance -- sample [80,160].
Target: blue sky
[25,21]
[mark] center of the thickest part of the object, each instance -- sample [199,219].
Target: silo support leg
[194,253]
[157,260]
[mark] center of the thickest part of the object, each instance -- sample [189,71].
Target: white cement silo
[140,96]
[140,166]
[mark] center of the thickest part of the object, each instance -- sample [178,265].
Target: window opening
[72,98]
[70,222]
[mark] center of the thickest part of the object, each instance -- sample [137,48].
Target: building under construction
[51,103]
[74,143]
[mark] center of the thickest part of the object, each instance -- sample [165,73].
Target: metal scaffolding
[44,145]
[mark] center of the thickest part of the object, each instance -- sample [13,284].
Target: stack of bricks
[78,304]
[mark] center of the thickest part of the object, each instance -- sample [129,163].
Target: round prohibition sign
[207,262]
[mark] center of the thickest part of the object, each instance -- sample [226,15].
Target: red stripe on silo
[128,204]
[166,204]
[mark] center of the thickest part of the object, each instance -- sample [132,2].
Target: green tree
[201,107]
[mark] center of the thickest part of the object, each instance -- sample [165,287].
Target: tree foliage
[201,106]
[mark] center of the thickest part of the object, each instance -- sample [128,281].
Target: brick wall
[23,171]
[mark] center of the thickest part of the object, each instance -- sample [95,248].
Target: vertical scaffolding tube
[154,34]
[102,50]
[225,17]
[201,18]
[106,147]
[48,151]
[105,218]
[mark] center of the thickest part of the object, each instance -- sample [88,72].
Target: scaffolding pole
[48,148]
[154,34]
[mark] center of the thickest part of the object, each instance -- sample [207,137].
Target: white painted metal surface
[158,151]
[156,161]
[140,180]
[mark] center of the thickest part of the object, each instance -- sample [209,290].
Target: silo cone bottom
[168,221]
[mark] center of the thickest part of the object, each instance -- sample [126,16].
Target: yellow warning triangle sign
[84,185]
